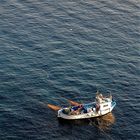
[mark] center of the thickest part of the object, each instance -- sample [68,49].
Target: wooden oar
[73,103]
[54,107]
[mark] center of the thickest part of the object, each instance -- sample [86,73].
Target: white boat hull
[91,114]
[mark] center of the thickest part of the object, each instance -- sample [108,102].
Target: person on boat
[97,107]
[76,110]
[76,107]
[101,96]
[110,97]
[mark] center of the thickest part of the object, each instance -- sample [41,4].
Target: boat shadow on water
[102,123]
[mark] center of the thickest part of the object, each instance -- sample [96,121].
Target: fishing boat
[101,106]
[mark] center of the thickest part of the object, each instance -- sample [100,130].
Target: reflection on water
[103,123]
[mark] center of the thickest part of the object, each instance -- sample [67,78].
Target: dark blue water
[53,50]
